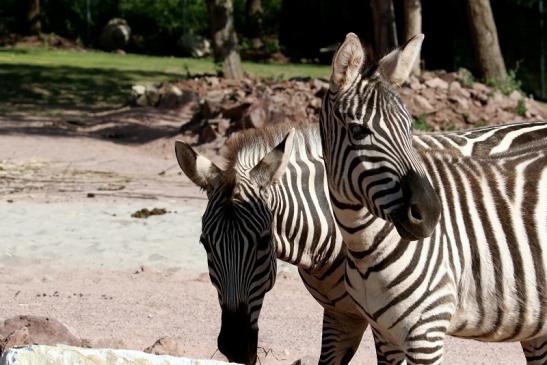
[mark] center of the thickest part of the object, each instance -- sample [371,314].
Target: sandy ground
[77,258]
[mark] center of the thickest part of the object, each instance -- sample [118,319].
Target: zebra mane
[245,149]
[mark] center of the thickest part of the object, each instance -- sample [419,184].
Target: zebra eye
[358,131]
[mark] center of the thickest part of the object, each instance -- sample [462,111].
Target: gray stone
[115,35]
[67,355]
[437,83]
[171,97]
[195,45]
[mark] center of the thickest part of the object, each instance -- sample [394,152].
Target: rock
[24,330]
[138,90]
[515,95]
[115,35]
[67,355]
[437,83]
[422,103]
[152,96]
[165,346]
[195,45]
[17,338]
[255,117]
[481,88]
[171,97]
[456,90]
[461,101]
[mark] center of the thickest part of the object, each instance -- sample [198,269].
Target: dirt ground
[70,250]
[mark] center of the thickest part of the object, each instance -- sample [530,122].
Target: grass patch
[507,86]
[48,82]
[421,124]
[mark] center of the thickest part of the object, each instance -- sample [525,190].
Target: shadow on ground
[50,90]
[78,101]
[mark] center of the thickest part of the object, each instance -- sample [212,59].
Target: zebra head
[237,236]
[366,137]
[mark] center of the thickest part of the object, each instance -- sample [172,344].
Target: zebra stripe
[480,273]
[303,229]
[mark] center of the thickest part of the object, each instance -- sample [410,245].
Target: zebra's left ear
[397,65]
[272,166]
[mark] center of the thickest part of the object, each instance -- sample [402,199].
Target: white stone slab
[68,355]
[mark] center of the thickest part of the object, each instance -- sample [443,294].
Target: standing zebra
[437,243]
[295,223]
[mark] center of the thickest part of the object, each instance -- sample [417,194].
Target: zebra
[437,243]
[298,219]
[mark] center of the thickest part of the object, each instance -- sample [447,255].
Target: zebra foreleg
[535,351]
[387,353]
[342,334]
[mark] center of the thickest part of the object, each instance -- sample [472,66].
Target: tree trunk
[254,18]
[385,30]
[221,17]
[413,24]
[485,39]
[32,23]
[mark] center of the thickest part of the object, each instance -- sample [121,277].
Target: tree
[221,18]
[485,40]
[32,25]
[254,18]
[413,24]
[385,30]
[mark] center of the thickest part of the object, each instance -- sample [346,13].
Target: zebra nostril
[414,214]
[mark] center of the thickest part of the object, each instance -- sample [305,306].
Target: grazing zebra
[437,243]
[296,214]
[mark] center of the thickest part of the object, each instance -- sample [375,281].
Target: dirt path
[76,258]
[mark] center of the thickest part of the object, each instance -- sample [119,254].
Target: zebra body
[463,256]
[303,229]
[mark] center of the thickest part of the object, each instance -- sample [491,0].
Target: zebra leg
[535,351]
[341,336]
[386,352]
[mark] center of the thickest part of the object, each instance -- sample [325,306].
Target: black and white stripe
[480,273]
[297,214]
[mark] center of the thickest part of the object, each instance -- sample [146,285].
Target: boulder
[195,45]
[437,83]
[115,35]
[67,355]
[171,97]
[25,330]
[165,346]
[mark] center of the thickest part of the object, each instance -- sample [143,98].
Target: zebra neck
[305,232]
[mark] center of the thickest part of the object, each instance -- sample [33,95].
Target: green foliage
[421,124]
[507,86]
[465,77]
[521,108]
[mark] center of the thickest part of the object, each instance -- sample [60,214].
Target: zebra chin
[238,340]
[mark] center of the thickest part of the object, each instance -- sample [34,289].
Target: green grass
[49,82]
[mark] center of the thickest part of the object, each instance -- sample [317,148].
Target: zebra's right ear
[272,166]
[199,169]
[347,63]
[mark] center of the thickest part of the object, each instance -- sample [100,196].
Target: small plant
[507,86]
[272,46]
[466,77]
[521,108]
[421,124]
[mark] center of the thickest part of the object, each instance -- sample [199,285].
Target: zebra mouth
[405,233]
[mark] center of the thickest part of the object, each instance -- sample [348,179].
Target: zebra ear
[347,62]
[272,166]
[397,65]
[199,169]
